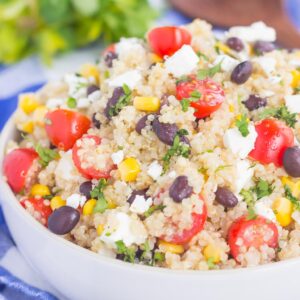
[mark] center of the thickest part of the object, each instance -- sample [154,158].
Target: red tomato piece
[168,39]
[110,48]
[272,140]
[187,234]
[65,127]
[212,95]
[39,205]
[90,172]
[251,233]
[16,165]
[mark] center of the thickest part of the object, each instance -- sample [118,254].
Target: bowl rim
[11,200]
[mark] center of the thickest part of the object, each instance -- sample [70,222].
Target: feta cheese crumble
[228,63]
[263,208]
[244,174]
[76,200]
[117,157]
[140,204]
[267,64]
[182,62]
[131,78]
[154,170]
[293,103]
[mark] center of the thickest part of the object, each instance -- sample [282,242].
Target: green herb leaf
[129,253]
[153,209]
[262,189]
[280,113]
[200,54]
[122,102]
[242,125]
[289,195]
[185,102]
[220,168]
[210,72]
[210,263]
[97,193]
[71,102]
[250,201]
[159,257]
[46,155]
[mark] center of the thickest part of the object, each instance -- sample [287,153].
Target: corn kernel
[28,103]
[57,202]
[27,127]
[155,58]
[170,247]
[89,70]
[39,115]
[294,186]
[224,48]
[231,108]
[111,204]
[149,104]
[211,251]
[100,229]
[129,168]
[296,189]
[89,207]
[296,78]
[283,209]
[40,190]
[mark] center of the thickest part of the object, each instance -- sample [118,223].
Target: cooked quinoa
[145,175]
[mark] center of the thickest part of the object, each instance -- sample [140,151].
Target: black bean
[109,57]
[63,220]
[113,100]
[255,102]
[180,189]
[241,72]
[91,89]
[142,122]
[52,146]
[96,122]
[291,161]
[136,193]
[85,189]
[261,47]
[235,44]
[164,131]
[225,197]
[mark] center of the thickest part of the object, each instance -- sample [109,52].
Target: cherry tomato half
[16,166]
[168,39]
[212,95]
[64,127]
[90,172]
[251,233]
[188,234]
[272,140]
[110,48]
[39,205]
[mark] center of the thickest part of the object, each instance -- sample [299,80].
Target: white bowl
[81,274]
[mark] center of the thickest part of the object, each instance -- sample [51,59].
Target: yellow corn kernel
[286,181]
[57,202]
[40,190]
[129,169]
[294,186]
[155,58]
[296,189]
[231,108]
[27,127]
[169,247]
[224,48]
[28,103]
[39,115]
[100,229]
[212,252]
[149,104]
[283,209]
[296,78]
[89,207]
[111,204]
[89,70]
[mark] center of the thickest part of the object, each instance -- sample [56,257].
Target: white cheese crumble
[293,103]
[83,102]
[245,173]
[77,85]
[121,230]
[117,157]
[154,170]
[128,45]
[238,144]
[55,102]
[96,95]
[268,64]
[263,208]
[76,200]
[228,63]
[140,204]
[131,78]
[257,31]
[182,62]
[296,216]
[172,174]
[65,168]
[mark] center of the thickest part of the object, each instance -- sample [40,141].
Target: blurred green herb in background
[48,27]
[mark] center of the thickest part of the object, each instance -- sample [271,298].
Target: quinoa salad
[178,151]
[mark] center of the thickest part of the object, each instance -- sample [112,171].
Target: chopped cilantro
[122,102]
[177,149]
[242,125]
[289,195]
[210,72]
[280,113]
[262,189]
[159,256]
[222,167]
[183,78]
[97,193]
[200,54]
[250,201]
[71,102]
[153,209]
[185,102]
[129,253]
[46,155]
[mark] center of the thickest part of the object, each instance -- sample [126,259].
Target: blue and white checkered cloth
[17,280]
